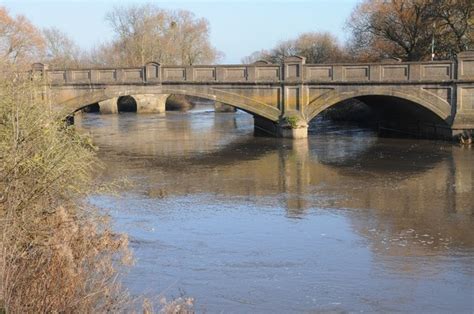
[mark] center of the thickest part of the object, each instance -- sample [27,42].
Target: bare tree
[192,37]
[454,23]
[61,50]
[256,56]
[315,47]
[406,28]
[319,48]
[20,41]
[146,32]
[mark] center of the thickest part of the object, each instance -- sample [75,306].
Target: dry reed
[56,253]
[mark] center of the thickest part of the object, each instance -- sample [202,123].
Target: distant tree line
[380,29]
[407,29]
[142,33]
[145,32]
[315,47]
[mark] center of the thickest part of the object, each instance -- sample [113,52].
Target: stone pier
[293,128]
[150,103]
[147,103]
[109,106]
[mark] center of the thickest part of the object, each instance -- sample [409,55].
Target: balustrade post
[465,65]
[464,93]
[39,70]
[152,72]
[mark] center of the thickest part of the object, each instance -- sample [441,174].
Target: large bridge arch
[247,104]
[433,103]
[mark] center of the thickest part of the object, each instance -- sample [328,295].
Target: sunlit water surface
[343,221]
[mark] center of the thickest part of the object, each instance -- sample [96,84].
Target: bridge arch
[244,103]
[431,102]
[126,104]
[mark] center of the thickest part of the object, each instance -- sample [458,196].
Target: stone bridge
[283,98]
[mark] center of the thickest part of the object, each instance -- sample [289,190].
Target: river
[344,221]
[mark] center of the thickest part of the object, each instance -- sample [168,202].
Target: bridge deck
[278,91]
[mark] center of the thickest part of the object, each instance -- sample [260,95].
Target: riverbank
[58,254]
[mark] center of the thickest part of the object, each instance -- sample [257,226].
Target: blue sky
[237,27]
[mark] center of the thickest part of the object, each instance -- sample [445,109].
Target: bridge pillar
[221,107]
[464,119]
[151,103]
[293,128]
[109,106]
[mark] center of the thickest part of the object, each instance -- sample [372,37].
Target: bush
[292,122]
[57,254]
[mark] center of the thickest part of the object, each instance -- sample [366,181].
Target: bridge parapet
[380,72]
[154,73]
[293,70]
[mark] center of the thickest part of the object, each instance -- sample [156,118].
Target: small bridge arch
[246,104]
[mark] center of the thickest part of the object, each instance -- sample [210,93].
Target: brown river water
[344,221]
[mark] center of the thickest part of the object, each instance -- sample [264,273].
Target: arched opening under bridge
[126,104]
[388,115]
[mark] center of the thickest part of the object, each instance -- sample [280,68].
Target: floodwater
[342,222]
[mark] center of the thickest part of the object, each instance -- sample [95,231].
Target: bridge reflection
[396,185]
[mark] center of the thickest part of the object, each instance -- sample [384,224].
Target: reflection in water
[342,221]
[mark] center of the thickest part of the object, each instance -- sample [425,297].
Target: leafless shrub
[56,254]
[181,305]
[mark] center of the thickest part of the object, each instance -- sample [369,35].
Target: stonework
[108,106]
[274,91]
[150,103]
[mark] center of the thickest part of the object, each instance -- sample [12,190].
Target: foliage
[181,305]
[292,122]
[315,47]
[403,29]
[56,254]
[406,28]
[147,33]
[61,50]
[454,25]
[143,33]
[20,41]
